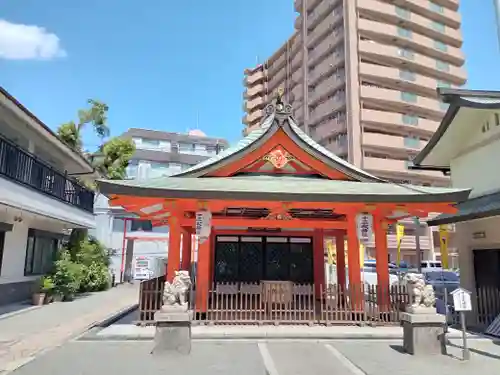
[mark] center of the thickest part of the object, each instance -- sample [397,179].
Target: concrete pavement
[251,357]
[22,336]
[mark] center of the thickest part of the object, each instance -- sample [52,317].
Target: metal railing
[25,168]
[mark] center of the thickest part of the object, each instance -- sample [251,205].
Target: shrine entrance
[254,258]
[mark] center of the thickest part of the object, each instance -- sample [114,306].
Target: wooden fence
[150,298]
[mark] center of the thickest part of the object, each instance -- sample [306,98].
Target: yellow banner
[332,252]
[444,236]
[400,233]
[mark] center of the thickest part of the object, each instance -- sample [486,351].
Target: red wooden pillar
[381,251]
[204,276]
[174,248]
[319,261]
[186,249]
[340,249]
[353,264]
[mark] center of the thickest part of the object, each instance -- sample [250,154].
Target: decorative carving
[278,158]
[175,294]
[279,107]
[279,215]
[421,295]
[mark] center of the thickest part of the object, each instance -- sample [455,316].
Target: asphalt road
[259,358]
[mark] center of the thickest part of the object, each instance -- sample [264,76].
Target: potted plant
[48,288]
[38,297]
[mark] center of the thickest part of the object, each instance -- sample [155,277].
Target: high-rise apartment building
[362,78]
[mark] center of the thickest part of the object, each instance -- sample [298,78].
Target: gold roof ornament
[279,99]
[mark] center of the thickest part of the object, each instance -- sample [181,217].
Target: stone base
[173,331]
[423,334]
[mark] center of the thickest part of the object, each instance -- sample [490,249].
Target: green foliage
[46,284]
[96,115]
[67,275]
[95,278]
[115,156]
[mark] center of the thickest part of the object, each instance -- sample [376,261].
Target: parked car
[443,282]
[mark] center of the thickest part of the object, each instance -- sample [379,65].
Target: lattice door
[301,263]
[226,262]
[277,261]
[250,262]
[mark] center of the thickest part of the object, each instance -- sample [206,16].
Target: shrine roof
[278,116]
[274,188]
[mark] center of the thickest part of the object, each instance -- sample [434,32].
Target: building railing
[24,168]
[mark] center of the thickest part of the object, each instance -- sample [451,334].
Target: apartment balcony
[252,104]
[394,15]
[398,121]
[253,117]
[311,4]
[252,91]
[406,59]
[447,16]
[278,79]
[400,79]
[328,86]
[327,128]
[254,77]
[29,184]
[392,34]
[332,63]
[326,108]
[391,142]
[398,168]
[276,62]
[325,48]
[327,26]
[323,8]
[401,101]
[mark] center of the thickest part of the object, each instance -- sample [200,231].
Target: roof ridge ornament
[280,107]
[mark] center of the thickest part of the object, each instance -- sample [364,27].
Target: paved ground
[260,358]
[24,335]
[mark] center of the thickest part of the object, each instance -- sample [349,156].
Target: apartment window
[407,75]
[438,26]
[41,252]
[442,66]
[412,142]
[406,53]
[141,225]
[186,147]
[403,13]
[408,97]
[436,7]
[150,143]
[405,33]
[410,120]
[440,46]
[443,84]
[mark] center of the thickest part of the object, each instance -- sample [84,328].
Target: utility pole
[496,6]
[417,244]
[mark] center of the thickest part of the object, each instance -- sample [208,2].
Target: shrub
[67,276]
[95,278]
[47,285]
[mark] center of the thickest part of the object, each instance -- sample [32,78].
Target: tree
[113,157]
[96,115]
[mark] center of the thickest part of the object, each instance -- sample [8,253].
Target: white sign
[461,300]
[203,225]
[364,226]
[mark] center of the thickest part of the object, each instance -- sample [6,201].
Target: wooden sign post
[462,303]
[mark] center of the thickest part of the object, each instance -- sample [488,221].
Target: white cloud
[28,42]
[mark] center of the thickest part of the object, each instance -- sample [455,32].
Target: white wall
[14,253]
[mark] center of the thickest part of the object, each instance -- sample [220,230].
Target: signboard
[203,225]
[364,226]
[461,300]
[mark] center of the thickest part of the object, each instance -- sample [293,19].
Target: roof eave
[453,219]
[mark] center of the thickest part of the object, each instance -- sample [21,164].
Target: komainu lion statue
[421,295]
[175,293]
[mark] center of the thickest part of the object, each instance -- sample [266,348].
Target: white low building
[467,145]
[40,200]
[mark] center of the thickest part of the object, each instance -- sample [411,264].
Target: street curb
[114,317]
[19,312]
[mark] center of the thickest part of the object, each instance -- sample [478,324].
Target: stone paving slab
[132,332]
[357,357]
[26,335]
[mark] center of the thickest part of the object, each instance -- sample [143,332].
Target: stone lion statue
[175,293]
[421,295]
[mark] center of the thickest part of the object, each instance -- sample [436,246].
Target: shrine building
[273,199]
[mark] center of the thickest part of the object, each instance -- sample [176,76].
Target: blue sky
[157,64]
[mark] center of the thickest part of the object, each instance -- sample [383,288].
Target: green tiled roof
[281,189]
[475,208]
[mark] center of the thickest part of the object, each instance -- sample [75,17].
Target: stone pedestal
[423,331]
[173,331]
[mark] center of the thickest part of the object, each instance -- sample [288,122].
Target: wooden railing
[150,298]
[488,306]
